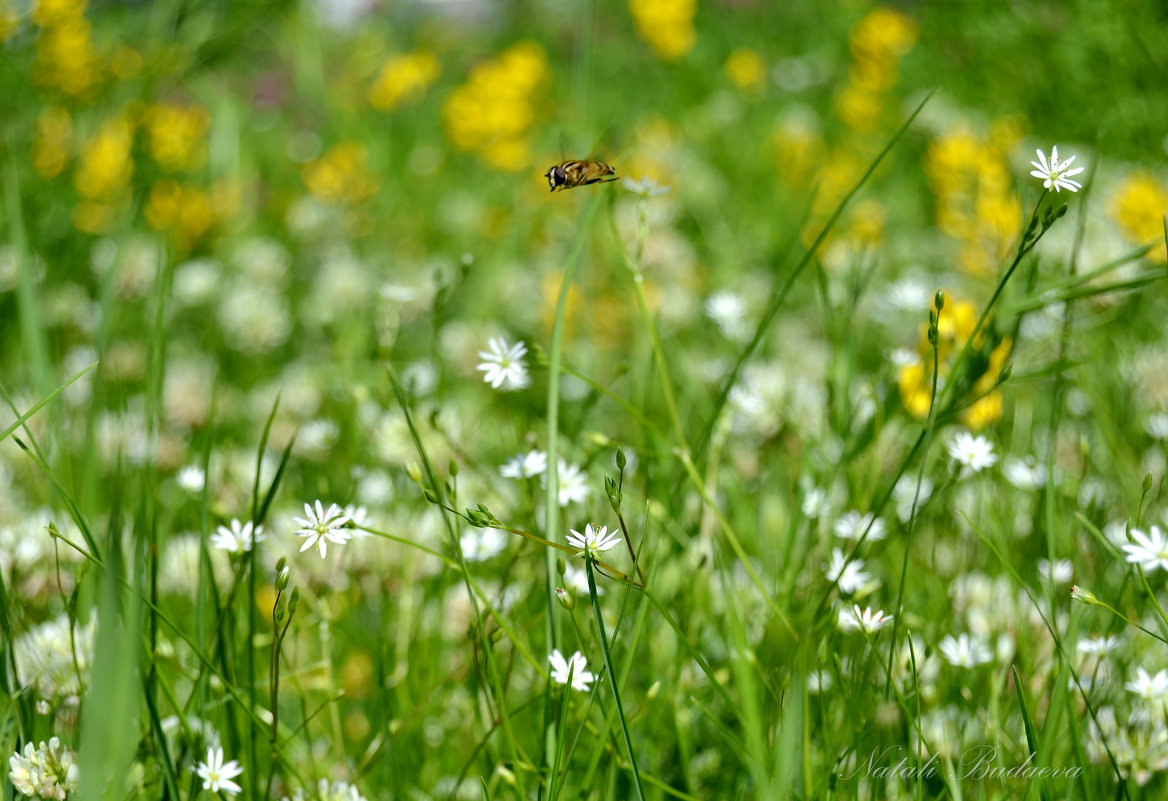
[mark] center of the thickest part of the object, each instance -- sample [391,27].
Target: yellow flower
[746,70]
[47,13]
[341,174]
[106,162]
[9,21]
[884,33]
[491,114]
[66,59]
[1138,207]
[914,379]
[859,108]
[183,212]
[666,25]
[798,150]
[403,79]
[50,144]
[175,135]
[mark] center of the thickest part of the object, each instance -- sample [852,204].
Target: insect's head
[557,177]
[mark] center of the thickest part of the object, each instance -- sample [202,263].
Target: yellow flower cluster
[341,175]
[103,174]
[491,114]
[66,57]
[878,42]
[1137,206]
[50,144]
[404,79]
[667,26]
[746,70]
[176,135]
[186,213]
[976,204]
[915,378]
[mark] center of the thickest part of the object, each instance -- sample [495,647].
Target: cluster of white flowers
[48,771]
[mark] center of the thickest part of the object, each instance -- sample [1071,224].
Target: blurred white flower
[577,665]
[237,539]
[480,544]
[1149,550]
[728,311]
[1156,426]
[905,492]
[54,657]
[1149,688]
[572,483]
[525,465]
[319,527]
[1062,572]
[965,651]
[976,453]
[852,525]
[191,478]
[855,619]
[850,576]
[217,775]
[1098,645]
[337,791]
[576,580]
[593,541]
[1056,174]
[645,187]
[1024,473]
[503,365]
[815,503]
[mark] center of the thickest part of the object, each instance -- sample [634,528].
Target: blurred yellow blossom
[51,141]
[491,114]
[746,70]
[126,63]
[403,79]
[66,57]
[106,162]
[877,43]
[175,135]
[9,21]
[914,378]
[975,200]
[667,26]
[798,150]
[341,175]
[184,212]
[1138,206]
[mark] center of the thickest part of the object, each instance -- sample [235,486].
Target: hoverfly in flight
[570,174]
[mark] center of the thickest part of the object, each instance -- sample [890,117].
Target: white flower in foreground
[319,527]
[593,541]
[976,453]
[503,364]
[1056,175]
[965,651]
[1149,550]
[48,771]
[852,525]
[856,620]
[571,483]
[1149,688]
[525,465]
[577,666]
[239,538]
[850,576]
[216,775]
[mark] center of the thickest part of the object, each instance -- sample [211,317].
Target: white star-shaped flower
[976,453]
[1056,175]
[593,541]
[855,619]
[217,775]
[1149,550]
[320,527]
[577,666]
[503,365]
